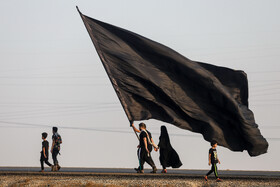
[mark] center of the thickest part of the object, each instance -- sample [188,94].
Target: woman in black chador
[168,156]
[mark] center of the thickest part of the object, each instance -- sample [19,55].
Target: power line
[45,77]
[257,72]
[265,100]
[265,90]
[57,84]
[102,130]
[61,113]
[265,94]
[260,81]
[261,86]
[44,110]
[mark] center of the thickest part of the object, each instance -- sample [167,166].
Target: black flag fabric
[153,81]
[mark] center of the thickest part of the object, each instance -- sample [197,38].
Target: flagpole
[131,122]
[136,135]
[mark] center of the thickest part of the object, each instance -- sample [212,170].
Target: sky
[51,75]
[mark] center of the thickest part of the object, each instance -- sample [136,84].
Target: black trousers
[144,157]
[42,160]
[213,169]
[54,156]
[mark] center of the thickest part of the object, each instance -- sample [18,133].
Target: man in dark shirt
[145,147]
[45,152]
[56,141]
[213,159]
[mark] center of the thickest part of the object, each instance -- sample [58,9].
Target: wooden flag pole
[134,130]
[136,135]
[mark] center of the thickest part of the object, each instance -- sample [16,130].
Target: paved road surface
[130,171]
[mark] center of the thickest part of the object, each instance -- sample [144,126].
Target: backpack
[58,140]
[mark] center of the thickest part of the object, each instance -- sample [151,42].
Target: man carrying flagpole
[145,147]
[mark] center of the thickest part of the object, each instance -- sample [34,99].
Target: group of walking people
[168,156]
[55,148]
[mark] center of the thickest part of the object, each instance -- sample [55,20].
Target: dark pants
[54,156]
[42,160]
[213,169]
[144,157]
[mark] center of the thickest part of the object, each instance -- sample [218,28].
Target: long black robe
[168,156]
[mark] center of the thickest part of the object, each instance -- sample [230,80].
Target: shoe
[55,168]
[52,166]
[138,170]
[154,170]
[219,180]
[164,171]
[206,178]
[58,167]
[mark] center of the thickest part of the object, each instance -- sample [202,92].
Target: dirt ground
[113,181]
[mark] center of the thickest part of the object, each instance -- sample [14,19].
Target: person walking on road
[45,152]
[145,147]
[213,159]
[56,141]
[168,156]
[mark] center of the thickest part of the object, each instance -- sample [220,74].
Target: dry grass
[95,181]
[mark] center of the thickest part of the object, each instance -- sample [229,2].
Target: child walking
[44,152]
[213,159]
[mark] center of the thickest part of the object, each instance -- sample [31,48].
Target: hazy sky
[50,75]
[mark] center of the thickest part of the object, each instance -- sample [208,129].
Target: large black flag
[154,81]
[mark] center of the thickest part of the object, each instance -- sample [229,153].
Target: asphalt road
[130,171]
